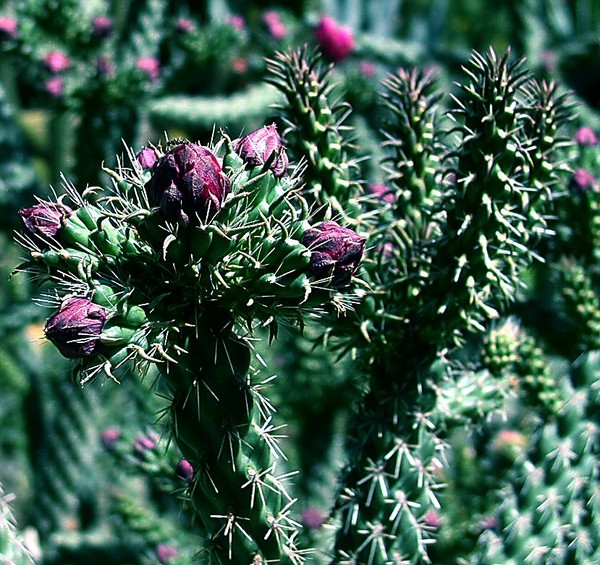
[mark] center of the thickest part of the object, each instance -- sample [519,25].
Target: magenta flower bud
[274,25]
[586,137]
[582,180]
[149,66]
[313,518]
[262,145]
[102,26]
[109,437]
[56,61]
[335,252]
[8,28]
[188,184]
[75,329]
[55,87]
[184,470]
[335,40]
[185,25]
[147,157]
[165,553]
[45,219]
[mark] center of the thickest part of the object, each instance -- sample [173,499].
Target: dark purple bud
[102,26]
[75,329]
[582,180]
[335,252]
[8,28]
[184,470]
[164,553]
[56,61]
[109,437]
[586,137]
[335,40]
[261,146]
[313,518]
[147,157]
[45,219]
[149,66]
[55,87]
[188,184]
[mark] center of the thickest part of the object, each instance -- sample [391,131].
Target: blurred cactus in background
[305,282]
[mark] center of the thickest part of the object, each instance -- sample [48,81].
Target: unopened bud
[586,137]
[262,146]
[102,26]
[165,553]
[45,218]
[335,252]
[75,329]
[336,41]
[184,470]
[56,61]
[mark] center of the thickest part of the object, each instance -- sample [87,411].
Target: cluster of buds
[190,245]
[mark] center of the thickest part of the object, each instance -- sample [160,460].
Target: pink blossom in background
[274,24]
[585,136]
[185,25]
[237,22]
[313,518]
[240,65]
[105,66]
[55,87]
[8,28]
[110,436]
[382,191]
[164,553]
[367,68]
[583,180]
[150,66]
[56,61]
[102,26]
[336,41]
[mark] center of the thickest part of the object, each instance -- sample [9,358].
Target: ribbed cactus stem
[223,428]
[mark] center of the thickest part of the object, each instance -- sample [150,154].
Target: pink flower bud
[382,192]
[165,553]
[188,184]
[586,137]
[55,87]
[261,146]
[336,41]
[335,252]
[274,25]
[102,26]
[8,28]
[149,66]
[367,68]
[313,518]
[109,437]
[45,219]
[56,61]
[147,158]
[582,180]
[237,22]
[185,25]
[142,444]
[75,329]
[184,470]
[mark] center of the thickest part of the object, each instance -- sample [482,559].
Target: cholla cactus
[174,267]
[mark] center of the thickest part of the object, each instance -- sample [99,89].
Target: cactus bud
[149,66]
[336,41]
[188,184]
[184,470]
[56,61]
[185,26]
[335,252]
[109,437]
[582,180]
[147,158]
[586,137]
[8,28]
[75,329]
[262,146]
[45,218]
[274,25]
[55,87]
[313,518]
[102,26]
[165,553]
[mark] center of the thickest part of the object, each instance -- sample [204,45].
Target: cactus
[175,267]
[12,549]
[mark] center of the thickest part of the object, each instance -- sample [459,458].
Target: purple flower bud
[8,28]
[188,184]
[185,25]
[336,41]
[45,219]
[582,180]
[184,470]
[102,26]
[274,25]
[55,87]
[164,553]
[335,252]
[586,137]
[56,61]
[75,329]
[142,444]
[147,157]
[149,66]
[258,147]
[105,66]
[109,437]
[313,518]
